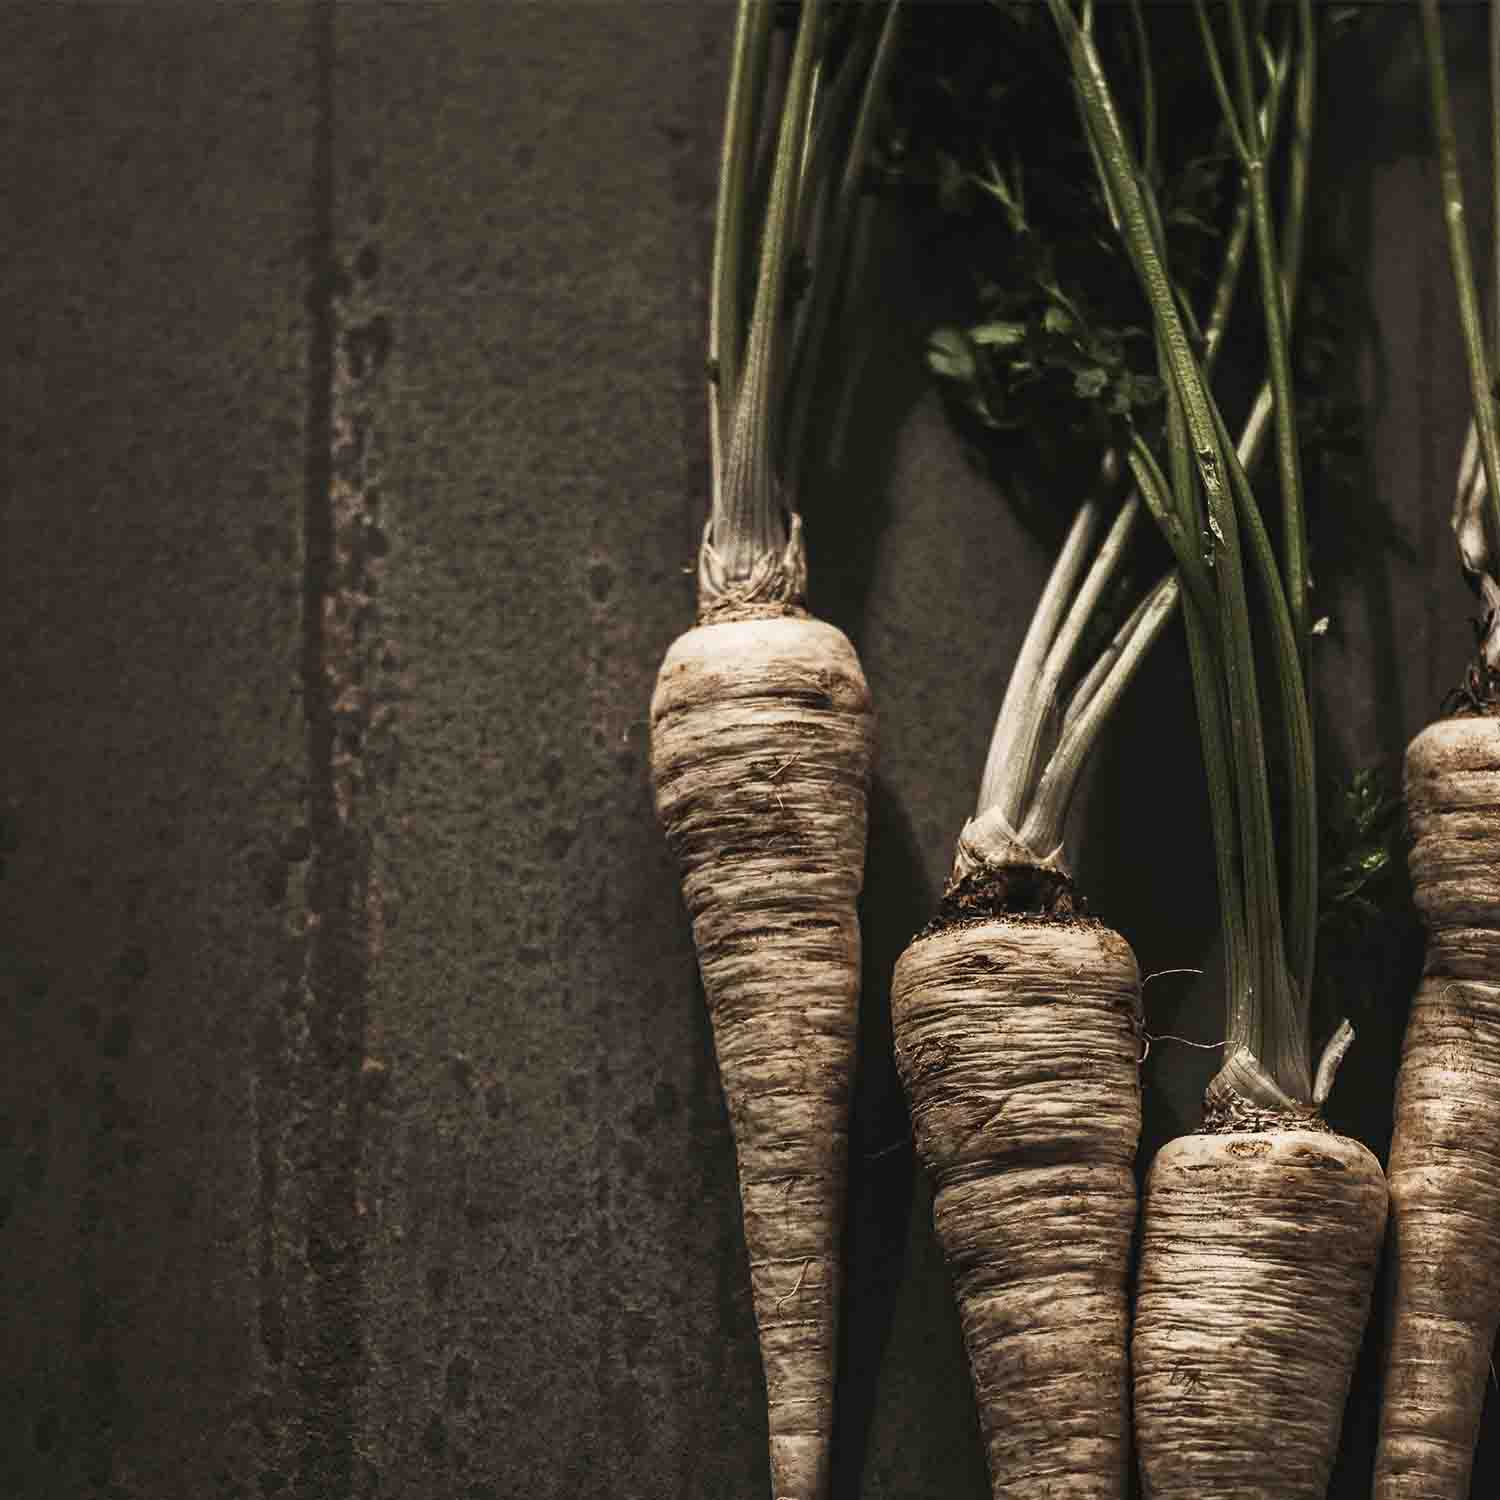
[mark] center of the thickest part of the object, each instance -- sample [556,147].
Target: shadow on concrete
[882,1162]
[872,369]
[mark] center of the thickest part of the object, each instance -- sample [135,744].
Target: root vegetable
[761,725]
[1017,1041]
[1445,1155]
[761,743]
[1258,1255]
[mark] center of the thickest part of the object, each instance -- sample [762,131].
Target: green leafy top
[1053,340]
[1361,834]
[790,180]
[1100,199]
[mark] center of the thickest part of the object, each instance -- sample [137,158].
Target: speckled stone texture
[359,1128]
[154,780]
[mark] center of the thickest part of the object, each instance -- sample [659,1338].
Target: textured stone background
[359,1129]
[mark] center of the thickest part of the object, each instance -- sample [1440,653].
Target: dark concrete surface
[359,1129]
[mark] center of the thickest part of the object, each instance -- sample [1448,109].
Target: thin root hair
[1166,1036]
[801,1277]
[1160,973]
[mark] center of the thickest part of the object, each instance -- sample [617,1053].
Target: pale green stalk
[1021,762]
[1028,702]
[1042,828]
[1032,703]
[1302,874]
[749,519]
[1106,562]
[1290,621]
[1243,120]
[1015,709]
[1299,163]
[1480,388]
[1215,729]
[1181,534]
[747,67]
[1152,485]
[1268,973]
[1089,684]
[1278,348]
[1239,230]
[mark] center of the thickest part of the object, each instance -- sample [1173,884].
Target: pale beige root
[1445,1154]
[1018,1044]
[1258,1255]
[761,741]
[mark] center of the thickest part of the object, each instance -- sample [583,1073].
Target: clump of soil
[1008,891]
[1479,693]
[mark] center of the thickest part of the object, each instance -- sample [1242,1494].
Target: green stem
[1239,230]
[1181,537]
[1105,566]
[1033,693]
[807,167]
[1150,483]
[1463,272]
[1214,730]
[1148,91]
[830,267]
[1296,728]
[1024,753]
[831,128]
[1279,275]
[1299,164]
[1089,684]
[1018,708]
[1257,425]
[1221,85]
[748,520]
[1125,185]
[827,115]
[1042,828]
[752,35]
[1044,813]
[1278,343]
[1039,813]
[1234,256]
[859,348]
[1494,350]
[1237,660]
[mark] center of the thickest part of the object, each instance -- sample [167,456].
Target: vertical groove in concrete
[332,1355]
[528,188]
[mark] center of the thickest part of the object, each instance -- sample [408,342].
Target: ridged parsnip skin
[1258,1255]
[762,735]
[1445,1154]
[1018,1043]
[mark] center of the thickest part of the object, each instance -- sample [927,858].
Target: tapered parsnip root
[1445,1155]
[1017,1040]
[761,742]
[1258,1255]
